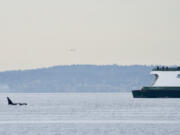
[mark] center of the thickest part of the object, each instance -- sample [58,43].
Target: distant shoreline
[77,78]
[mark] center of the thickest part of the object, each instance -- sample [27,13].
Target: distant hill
[77,78]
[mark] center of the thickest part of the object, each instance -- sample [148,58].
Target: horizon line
[52,66]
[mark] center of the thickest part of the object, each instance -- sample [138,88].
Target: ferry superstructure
[166,85]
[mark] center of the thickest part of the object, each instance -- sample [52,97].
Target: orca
[11,103]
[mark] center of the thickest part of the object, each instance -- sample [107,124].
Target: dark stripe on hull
[156,93]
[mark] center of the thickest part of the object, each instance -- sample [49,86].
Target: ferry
[166,84]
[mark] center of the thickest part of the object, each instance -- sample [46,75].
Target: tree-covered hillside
[77,78]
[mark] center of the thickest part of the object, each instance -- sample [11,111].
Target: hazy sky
[41,33]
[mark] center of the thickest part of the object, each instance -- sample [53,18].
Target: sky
[43,33]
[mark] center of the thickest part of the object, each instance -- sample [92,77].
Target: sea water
[88,114]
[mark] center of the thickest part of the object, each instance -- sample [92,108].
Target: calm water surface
[88,113]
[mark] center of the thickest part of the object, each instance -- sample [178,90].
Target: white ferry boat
[166,85]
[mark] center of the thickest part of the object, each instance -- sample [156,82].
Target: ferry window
[178,76]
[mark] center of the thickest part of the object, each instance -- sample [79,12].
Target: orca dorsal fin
[9,101]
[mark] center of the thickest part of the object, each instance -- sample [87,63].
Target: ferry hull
[156,93]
